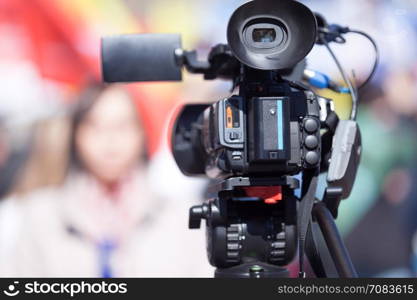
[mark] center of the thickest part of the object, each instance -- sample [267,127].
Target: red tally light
[270,194]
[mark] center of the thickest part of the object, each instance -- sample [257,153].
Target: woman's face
[109,140]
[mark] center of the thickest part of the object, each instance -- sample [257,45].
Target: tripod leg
[313,254]
[334,242]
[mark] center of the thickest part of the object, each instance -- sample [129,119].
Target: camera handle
[220,63]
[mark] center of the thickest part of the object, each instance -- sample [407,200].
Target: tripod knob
[197,213]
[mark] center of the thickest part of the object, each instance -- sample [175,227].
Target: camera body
[255,140]
[271,128]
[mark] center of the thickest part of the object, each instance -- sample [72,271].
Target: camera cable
[346,79]
[377,56]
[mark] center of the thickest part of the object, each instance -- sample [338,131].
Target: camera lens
[264,35]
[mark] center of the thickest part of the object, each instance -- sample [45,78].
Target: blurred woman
[103,221]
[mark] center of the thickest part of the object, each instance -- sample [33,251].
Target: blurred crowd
[87,181]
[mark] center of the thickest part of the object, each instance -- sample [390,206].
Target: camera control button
[311,142]
[311,125]
[273,155]
[237,155]
[234,136]
[312,158]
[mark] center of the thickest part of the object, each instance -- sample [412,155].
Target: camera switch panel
[232,121]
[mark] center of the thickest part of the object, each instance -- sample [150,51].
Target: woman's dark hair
[85,103]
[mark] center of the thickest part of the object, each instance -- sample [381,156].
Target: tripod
[252,229]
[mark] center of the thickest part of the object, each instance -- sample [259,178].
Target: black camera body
[254,141]
[271,128]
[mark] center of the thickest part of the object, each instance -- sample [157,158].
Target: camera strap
[304,214]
